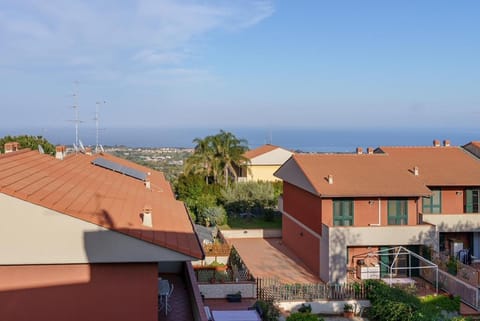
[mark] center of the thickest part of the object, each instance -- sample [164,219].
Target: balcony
[454,222]
[382,235]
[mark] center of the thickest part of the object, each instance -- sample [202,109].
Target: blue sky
[239,63]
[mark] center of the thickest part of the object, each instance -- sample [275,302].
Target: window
[398,212]
[433,203]
[471,200]
[342,212]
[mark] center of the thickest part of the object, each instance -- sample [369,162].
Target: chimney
[60,152]
[330,179]
[359,150]
[11,147]
[436,143]
[88,150]
[147,183]
[147,216]
[446,142]
[370,150]
[415,170]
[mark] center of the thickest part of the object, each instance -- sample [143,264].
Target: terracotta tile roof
[76,187]
[354,175]
[438,166]
[259,151]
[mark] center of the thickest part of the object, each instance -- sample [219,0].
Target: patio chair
[169,306]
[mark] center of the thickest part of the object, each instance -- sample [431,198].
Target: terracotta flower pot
[348,314]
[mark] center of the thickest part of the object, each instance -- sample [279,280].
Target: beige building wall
[262,173]
[31,234]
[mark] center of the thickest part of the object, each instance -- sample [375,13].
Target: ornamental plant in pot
[348,310]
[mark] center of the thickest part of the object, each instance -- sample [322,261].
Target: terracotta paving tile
[267,258]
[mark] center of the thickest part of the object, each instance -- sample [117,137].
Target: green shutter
[469,201]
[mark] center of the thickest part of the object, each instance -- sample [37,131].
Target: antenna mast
[97,145]
[75,108]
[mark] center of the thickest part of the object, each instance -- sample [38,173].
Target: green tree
[196,194]
[27,141]
[249,197]
[217,157]
[229,149]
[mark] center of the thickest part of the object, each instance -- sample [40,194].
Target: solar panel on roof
[116,167]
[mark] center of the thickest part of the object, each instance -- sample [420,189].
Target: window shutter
[468,201]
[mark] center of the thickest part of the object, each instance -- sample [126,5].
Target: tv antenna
[97,119]
[82,148]
[75,108]
[268,138]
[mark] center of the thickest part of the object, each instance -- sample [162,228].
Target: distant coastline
[307,140]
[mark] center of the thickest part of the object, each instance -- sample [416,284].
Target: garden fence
[274,289]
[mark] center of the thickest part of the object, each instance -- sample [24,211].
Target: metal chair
[168,306]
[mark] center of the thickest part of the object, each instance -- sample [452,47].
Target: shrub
[305,308]
[270,312]
[394,304]
[214,215]
[347,307]
[248,196]
[452,266]
[298,316]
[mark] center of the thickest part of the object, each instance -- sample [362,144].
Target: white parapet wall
[252,233]
[220,290]
[210,259]
[324,307]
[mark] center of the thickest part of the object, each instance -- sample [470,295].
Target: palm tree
[201,162]
[217,155]
[230,151]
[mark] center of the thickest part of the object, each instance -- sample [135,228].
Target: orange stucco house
[337,208]
[84,237]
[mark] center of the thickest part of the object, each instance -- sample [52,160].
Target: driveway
[270,258]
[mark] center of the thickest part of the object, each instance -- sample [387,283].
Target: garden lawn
[252,223]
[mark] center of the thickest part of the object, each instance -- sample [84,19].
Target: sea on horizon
[301,139]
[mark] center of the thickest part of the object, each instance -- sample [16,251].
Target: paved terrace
[179,301]
[267,258]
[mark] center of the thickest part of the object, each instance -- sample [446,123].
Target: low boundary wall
[251,233]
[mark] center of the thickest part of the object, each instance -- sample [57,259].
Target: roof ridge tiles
[16,153]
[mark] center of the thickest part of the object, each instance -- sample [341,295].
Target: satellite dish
[75,147]
[40,149]
[82,148]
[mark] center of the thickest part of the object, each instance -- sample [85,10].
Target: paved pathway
[266,258]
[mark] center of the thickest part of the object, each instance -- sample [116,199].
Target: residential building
[263,162]
[84,237]
[452,174]
[339,209]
